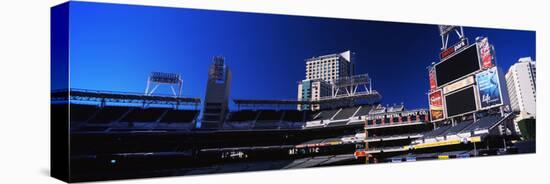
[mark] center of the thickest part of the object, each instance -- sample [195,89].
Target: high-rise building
[217,94]
[329,67]
[312,90]
[520,80]
[321,72]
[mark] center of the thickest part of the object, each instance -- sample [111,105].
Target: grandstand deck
[346,113]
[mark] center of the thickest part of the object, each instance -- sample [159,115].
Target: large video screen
[460,102]
[457,66]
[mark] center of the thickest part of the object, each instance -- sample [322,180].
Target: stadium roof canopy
[266,101]
[329,101]
[371,97]
[119,97]
[374,96]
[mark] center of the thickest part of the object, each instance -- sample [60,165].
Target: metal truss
[445,30]
[159,78]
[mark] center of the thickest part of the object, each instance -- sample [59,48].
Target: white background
[24,90]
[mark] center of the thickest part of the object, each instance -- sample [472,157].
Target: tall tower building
[520,80]
[329,67]
[312,90]
[217,94]
[320,73]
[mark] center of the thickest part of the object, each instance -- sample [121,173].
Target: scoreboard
[457,66]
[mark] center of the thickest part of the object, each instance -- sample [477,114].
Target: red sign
[485,53]
[447,52]
[360,153]
[433,84]
[436,105]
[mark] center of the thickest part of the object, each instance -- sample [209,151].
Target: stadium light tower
[445,30]
[156,79]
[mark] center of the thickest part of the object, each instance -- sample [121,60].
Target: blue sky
[115,47]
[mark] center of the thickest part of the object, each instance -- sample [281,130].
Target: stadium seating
[180,116]
[451,154]
[464,127]
[364,110]
[311,124]
[91,128]
[326,114]
[341,123]
[396,108]
[269,165]
[338,158]
[260,166]
[81,113]
[266,125]
[244,115]
[458,127]
[293,116]
[483,123]
[313,162]
[346,113]
[144,115]
[291,125]
[266,119]
[393,137]
[238,125]
[378,110]
[270,115]
[109,114]
[309,115]
[436,132]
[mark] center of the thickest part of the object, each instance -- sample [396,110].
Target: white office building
[520,80]
[329,67]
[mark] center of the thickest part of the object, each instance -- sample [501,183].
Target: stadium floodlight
[444,31]
[161,78]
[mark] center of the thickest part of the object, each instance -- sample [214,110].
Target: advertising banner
[458,85]
[451,50]
[360,153]
[433,84]
[436,144]
[436,105]
[489,88]
[485,54]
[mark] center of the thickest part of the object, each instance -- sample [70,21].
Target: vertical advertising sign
[488,86]
[485,54]
[433,84]
[436,105]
